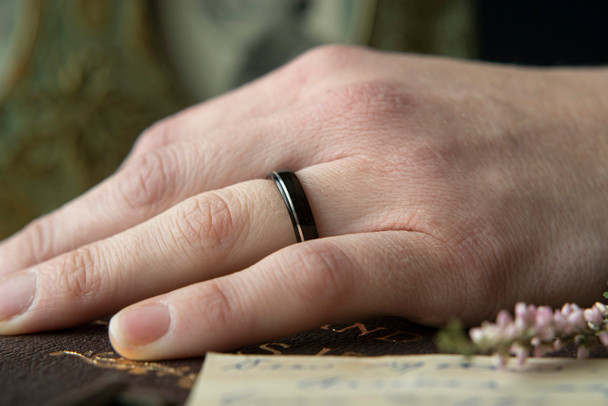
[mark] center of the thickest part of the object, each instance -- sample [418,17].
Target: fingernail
[140,325]
[16,294]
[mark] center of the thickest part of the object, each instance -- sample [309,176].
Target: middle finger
[158,180]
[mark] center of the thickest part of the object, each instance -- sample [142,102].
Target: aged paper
[396,380]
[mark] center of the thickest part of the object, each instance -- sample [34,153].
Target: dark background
[536,32]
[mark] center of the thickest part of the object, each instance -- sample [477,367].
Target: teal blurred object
[85,78]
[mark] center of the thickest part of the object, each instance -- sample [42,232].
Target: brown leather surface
[57,367]
[35,370]
[54,367]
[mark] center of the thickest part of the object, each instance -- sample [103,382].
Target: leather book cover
[79,367]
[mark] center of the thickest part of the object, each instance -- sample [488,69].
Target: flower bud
[603,336]
[594,316]
[582,352]
[576,320]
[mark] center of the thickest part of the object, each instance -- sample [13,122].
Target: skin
[441,189]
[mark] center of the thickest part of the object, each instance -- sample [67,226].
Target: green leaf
[453,338]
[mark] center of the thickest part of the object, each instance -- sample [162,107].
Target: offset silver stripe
[292,209]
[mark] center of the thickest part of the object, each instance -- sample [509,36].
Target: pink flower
[582,352]
[544,316]
[509,332]
[503,319]
[603,337]
[541,330]
[566,309]
[601,307]
[576,320]
[544,328]
[476,334]
[558,344]
[560,322]
[594,316]
[525,316]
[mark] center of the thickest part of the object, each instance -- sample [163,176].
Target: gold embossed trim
[110,360]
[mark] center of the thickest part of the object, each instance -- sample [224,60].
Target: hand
[440,189]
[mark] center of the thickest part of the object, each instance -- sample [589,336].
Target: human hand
[440,189]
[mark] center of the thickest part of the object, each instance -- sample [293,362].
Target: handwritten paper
[259,380]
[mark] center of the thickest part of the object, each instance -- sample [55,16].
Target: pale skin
[441,189]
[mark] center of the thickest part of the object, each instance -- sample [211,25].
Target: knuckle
[157,135]
[321,60]
[208,223]
[326,274]
[328,55]
[368,103]
[80,275]
[145,182]
[217,306]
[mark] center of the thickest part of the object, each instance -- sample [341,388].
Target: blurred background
[80,79]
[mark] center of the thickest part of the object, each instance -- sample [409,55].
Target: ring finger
[207,236]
